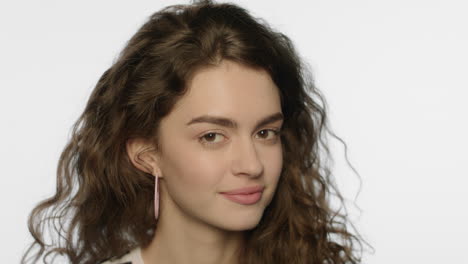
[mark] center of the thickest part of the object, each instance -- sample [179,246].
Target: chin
[240,223]
[240,226]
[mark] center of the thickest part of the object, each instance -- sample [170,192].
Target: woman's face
[200,159]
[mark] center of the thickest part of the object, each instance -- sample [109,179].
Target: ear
[143,156]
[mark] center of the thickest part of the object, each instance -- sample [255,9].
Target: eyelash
[276,133]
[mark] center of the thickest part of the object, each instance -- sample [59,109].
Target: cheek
[194,172]
[273,160]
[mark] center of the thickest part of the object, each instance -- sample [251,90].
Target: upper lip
[246,190]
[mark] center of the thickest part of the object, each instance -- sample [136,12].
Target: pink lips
[245,196]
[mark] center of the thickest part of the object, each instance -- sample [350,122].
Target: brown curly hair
[103,205]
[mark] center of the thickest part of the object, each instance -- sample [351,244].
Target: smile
[245,199]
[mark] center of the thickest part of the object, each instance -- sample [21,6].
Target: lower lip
[246,199]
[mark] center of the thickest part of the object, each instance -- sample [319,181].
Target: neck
[184,240]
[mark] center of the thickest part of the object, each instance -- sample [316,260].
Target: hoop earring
[156,197]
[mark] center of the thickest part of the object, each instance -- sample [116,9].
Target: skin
[196,223]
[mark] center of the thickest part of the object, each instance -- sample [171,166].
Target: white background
[394,74]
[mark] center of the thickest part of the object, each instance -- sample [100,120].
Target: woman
[199,145]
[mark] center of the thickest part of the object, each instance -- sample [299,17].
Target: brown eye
[264,133]
[210,138]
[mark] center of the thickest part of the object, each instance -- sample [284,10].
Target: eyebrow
[226,122]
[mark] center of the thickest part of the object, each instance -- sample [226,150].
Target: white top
[132,257]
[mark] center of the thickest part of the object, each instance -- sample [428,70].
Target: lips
[245,196]
[246,190]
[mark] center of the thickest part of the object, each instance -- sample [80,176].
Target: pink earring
[156,197]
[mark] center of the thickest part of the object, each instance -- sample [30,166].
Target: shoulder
[130,257]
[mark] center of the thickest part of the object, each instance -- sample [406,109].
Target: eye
[210,138]
[264,133]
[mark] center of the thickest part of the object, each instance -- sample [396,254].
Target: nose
[246,159]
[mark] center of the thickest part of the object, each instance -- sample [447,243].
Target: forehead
[230,88]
